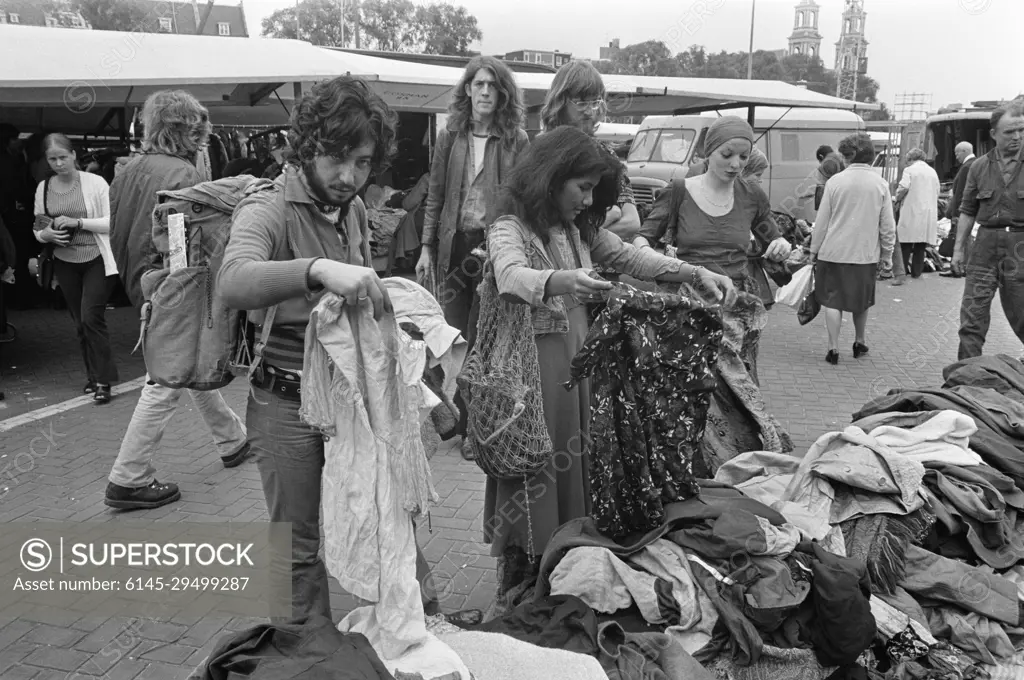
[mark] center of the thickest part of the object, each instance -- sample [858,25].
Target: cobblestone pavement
[55,468]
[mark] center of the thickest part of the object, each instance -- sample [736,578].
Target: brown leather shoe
[467,449]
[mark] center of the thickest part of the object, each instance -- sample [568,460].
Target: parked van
[665,146]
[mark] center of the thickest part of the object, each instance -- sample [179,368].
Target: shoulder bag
[44,270]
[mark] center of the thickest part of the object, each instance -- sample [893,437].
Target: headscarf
[724,129]
[757,162]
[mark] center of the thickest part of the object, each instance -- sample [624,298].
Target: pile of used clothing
[891,550]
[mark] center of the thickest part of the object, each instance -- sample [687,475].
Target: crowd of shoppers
[540,217]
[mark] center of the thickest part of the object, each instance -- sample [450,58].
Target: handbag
[44,268]
[948,244]
[810,306]
[500,383]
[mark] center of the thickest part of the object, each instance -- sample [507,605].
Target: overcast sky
[950,50]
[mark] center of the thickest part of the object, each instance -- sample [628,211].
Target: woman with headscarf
[577,98]
[710,219]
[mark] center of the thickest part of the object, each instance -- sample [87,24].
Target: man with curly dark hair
[476,150]
[304,236]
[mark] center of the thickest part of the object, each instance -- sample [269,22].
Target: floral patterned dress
[652,359]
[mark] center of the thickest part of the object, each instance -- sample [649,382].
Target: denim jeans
[997,263]
[134,465]
[290,458]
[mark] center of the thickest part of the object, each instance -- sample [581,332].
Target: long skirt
[521,516]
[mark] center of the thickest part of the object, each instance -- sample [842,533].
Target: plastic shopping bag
[794,292]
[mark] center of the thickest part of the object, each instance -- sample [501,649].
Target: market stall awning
[69,79]
[648,95]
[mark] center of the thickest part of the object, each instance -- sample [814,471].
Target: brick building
[160,17]
[554,59]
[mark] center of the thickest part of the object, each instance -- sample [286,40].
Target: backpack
[189,337]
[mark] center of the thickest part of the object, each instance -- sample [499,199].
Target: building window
[223,28]
[165,25]
[14,18]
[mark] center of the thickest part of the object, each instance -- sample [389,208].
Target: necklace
[707,196]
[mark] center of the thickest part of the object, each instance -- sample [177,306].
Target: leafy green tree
[388,25]
[314,21]
[111,15]
[446,29]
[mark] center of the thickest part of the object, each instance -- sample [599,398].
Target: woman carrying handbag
[73,219]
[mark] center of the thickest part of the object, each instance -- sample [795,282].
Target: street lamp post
[750,52]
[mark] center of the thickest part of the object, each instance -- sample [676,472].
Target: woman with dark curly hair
[543,249]
[474,153]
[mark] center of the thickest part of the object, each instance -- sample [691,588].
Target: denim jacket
[522,267]
[444,193]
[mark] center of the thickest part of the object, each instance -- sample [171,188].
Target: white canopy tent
[81,82]
[648,95]
[72,80]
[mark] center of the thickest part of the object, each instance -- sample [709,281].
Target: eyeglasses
[584,105]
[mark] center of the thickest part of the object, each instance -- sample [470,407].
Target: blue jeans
[997,263]
[290,458]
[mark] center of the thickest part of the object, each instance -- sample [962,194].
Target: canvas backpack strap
[256,365]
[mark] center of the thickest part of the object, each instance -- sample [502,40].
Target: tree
[388,25]
[446,29]
[111,15]
[882,114]
[314,21]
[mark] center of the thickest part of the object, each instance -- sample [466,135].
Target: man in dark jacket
[479,146]
[167,162]
[964,152]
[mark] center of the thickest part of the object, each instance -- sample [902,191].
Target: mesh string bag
[500,383]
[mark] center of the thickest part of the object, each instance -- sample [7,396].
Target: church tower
[805,38]
[851,50]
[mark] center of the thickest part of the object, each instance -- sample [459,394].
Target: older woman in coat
[918,196]
[854,230]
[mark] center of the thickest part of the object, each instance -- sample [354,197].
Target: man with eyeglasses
[476,150]
[994,197]
[577,98]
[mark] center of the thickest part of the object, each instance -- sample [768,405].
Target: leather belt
[282,383]
[1010,229]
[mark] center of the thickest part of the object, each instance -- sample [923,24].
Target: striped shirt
[71,203]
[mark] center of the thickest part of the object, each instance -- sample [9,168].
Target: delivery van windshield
[662,146]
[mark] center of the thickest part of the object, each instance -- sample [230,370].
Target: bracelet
[695,277]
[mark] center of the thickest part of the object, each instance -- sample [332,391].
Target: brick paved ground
[912,337]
